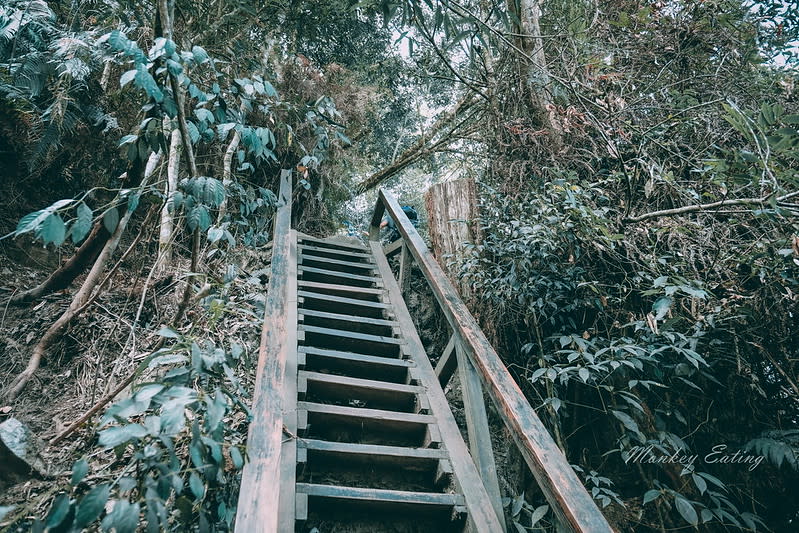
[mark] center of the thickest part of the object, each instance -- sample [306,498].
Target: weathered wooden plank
[447,363]
[481,513]
[391,249]
[337,243]
[336,274]
[561,486]
[325,252]
[343,300]
[365,337]
[349,289]
[357,365]
[404,278]
[358,412]
[304,259]
[288,456]
[374,450]
[421,499]
[478,430]
[375,394]
[258,507]
[352,323]
[348,318]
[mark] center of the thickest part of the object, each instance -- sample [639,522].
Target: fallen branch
[707,207]
[76,306]
[420,148]
[105,400]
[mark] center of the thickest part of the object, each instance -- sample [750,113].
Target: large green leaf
[91,505]
[113,437]
[58,511]
[53,230]
[82,224]
[79,470]
[686,510]
[144,80]
[123,518]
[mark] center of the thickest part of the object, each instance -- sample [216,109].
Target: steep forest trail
[352,429]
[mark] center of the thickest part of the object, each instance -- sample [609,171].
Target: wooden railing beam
[562,488]
[259,496]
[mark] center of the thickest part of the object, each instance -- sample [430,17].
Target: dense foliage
[639,261]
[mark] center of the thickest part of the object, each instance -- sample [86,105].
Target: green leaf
[174,67]
[538,514]
[58,511]
[168,332]
[144,80]
[661,307]
[127,77]
[194,133]
[686,510]
[91,505]
[197,486]
[4,510]
[628,422]
[701,484]
[79,470]
[82,224]
[123,518]
[236,457]
[584,374]
[650,495]
[111,219]
[31,221]
[113,437]
[215,233]
[204,115]
[53,230]
[200,55]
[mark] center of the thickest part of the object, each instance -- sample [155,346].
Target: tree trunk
[453,224]
[167,225]
[535,72]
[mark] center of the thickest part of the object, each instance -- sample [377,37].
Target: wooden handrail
[259,494]
[562,488]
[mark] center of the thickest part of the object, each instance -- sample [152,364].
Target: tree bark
[167,224]
[534,66]
[453,224]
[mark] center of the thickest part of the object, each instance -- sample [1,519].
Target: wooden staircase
[372,454]
[351,429]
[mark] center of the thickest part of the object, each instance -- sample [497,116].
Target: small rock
[19,453]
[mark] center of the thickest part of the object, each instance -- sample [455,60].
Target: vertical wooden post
[260,487]
[405,267]
[447,363]
[478,430]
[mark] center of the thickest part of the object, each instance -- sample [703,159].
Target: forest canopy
[637,266]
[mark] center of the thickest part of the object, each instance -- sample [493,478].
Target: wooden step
[360,324]
[367,426]
[368,393]
[355,364]
[333,254]
[378,501]
[374,466]
[333,289]
[332,243]
[344,278]
[349,341]
[341,304]
[335,264]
